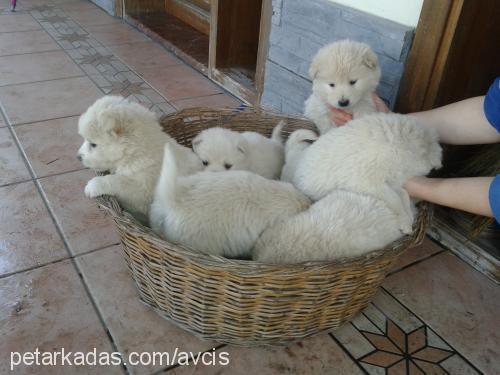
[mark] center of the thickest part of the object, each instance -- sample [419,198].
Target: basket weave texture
[242,302]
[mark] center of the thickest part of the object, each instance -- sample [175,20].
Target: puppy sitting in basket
[125,139]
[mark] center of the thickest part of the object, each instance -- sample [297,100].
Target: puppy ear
[370,59]
[195,142]
[112,121]
[242,146]
[313,69]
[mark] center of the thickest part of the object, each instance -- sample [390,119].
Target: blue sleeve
[495,197]
[492,104]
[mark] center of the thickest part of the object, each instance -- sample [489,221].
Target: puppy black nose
[79,157]
[344,102]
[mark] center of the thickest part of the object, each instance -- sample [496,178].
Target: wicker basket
[242,302]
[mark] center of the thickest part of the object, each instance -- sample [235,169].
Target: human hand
[379,104]
[341,116]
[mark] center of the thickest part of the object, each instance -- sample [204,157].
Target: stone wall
[300,27]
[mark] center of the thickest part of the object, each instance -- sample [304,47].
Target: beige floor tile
[26,42]
[212,101]
[12,167]
[180,82]
[51,146]
[317,355]
[84,225]
[133,325]
[145,55]
[37,67]
[91,17]
[28,236]
[116,34]
[17,22]
[458,302]
[410,256]
[47,308]
[48,100]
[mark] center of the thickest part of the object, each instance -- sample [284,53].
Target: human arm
[471,194]
[461,123]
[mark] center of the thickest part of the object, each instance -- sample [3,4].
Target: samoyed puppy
[125,139]
[295,146]
[373,155]
[342,224]
[223,149]
[221,213]
[344,75]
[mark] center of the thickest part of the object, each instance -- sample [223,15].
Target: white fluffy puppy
[220,213]
[343,224]
[125,138]
[295,145]
[224,149]
[344,75]
[373,155]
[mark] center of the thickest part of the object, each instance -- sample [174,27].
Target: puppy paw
[96,187]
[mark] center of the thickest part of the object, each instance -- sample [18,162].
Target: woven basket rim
[242,266]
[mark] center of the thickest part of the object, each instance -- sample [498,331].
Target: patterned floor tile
[12,167]
[48,309]
[51,146]
[28,237]
[459,303]
[130,85]
[34,67]
[99,60]
[133,325]
[84,226]
[48,100]
[26,42]
[387,338]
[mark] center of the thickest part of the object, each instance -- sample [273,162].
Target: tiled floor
[63,280]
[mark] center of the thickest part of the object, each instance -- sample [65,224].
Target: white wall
[405,12]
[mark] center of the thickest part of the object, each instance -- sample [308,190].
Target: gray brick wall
[300,27]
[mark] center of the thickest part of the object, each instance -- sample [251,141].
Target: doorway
[456,55]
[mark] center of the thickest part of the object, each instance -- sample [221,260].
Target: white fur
[129,144]
[341,63]
[295,145]
[220,213]
[224,149]
[373,155]
[343,224]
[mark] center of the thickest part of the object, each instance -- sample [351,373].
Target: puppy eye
[353,81]
[332,84]
[205,163]
[92,145]
[228,166]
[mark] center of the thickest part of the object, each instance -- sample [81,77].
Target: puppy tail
[167,183]
[276,135]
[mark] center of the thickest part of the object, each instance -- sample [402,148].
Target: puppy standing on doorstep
[224,149]
[221,213]
[125,139]
[344,74]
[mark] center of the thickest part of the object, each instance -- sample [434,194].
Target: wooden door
[455,53]
[196,13]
